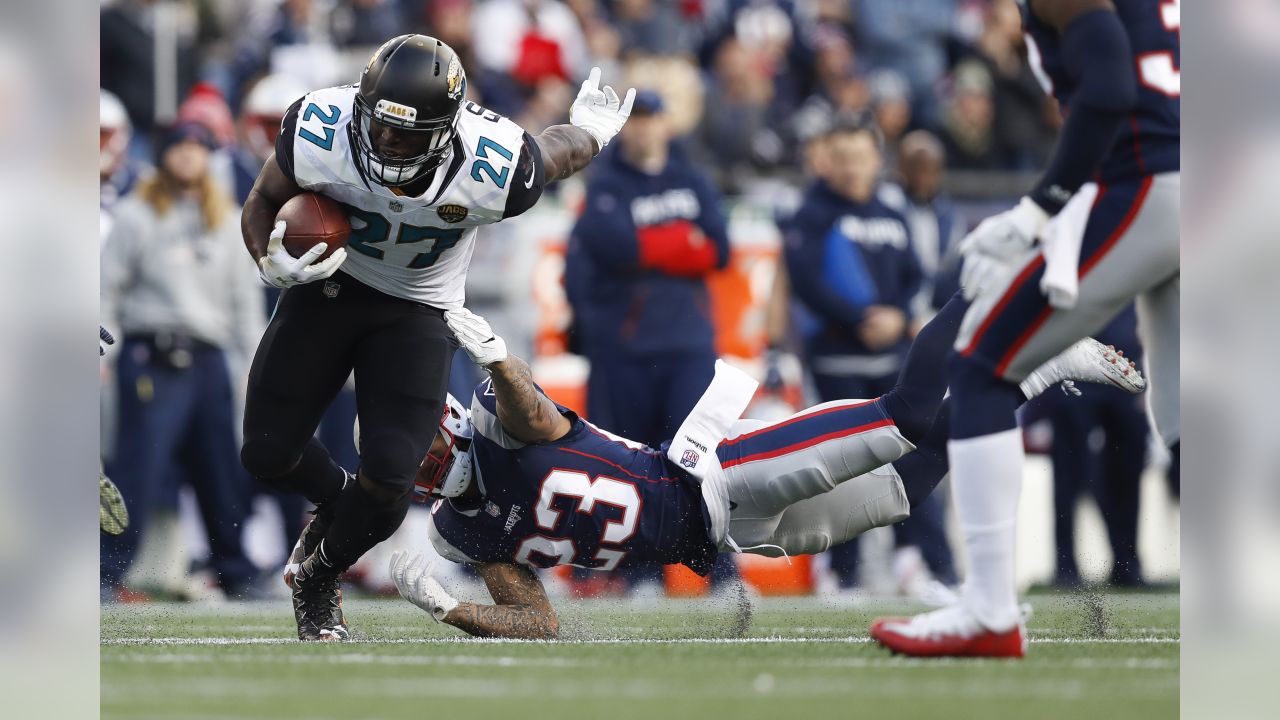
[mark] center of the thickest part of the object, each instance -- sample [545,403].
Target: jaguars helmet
[413,84]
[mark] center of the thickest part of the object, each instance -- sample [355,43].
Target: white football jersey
[416,248]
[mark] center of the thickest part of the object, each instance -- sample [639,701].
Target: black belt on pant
[175,351]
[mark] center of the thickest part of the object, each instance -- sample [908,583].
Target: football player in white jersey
[418,169]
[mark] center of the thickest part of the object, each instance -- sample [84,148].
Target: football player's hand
[476,337]
[598,111]
[282,270]
[412,576]
[991,249]
[882,326]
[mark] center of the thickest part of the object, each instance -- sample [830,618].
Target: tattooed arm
[520,610]
[565,149]
[525,413]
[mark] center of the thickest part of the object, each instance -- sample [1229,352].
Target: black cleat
[317,601]
[308,541]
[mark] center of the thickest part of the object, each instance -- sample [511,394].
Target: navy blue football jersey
[1148,142]
[590,499]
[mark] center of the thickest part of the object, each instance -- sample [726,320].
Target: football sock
[361,521]
[986,478]
[913,403]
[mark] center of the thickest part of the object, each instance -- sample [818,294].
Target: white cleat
[1087,361]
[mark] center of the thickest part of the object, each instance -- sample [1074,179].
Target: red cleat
[949,632]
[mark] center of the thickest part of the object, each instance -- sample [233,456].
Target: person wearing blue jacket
[852,266]
[651,232]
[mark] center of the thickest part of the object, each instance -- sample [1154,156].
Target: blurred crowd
[748,79]
[859,107]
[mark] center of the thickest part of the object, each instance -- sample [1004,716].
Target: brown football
[311,218]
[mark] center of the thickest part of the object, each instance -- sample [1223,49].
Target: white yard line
[1136,640]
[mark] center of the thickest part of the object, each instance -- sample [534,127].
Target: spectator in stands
[737,135]
[117,172]
[910,38]
[128,64]
[1025,115]
[178,291]
[935,230]
[850,255]
[529,40]
[891,107]
[638,258]
[366,23]
[921,540]
[1100,447]
[969,125]
[657,27]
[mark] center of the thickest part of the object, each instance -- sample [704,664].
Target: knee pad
[389,461]
[266,460]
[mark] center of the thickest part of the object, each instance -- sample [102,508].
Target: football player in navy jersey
[1054,269]
[524,483]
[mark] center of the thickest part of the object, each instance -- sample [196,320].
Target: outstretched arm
[525,413]
[596,116]
[520,610]
[565,150]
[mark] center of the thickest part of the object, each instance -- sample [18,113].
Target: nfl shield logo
[396,205]
[689,459]
[492,509]
[331,289]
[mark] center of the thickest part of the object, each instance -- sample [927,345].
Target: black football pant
[400,351]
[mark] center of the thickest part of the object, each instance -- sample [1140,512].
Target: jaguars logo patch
[452,213]
[455,82]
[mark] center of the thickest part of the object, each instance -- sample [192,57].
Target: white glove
[598,111]
[991,249]
[412,576]
[476,337]
[282,270]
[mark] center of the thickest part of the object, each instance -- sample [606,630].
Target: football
[311,218]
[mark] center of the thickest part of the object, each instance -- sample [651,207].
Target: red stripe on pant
[795,419]
[1088,265]
[1033,265]
[796,447]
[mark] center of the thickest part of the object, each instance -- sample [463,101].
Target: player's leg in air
[1123,129]
[836,470]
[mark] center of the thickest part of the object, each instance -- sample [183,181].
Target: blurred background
[739,99]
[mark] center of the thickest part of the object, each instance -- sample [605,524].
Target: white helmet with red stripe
[447,469]
[447,472]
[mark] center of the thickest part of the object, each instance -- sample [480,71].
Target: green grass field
[1091,656]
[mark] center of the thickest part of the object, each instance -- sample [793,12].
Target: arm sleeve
[1098,56]
[284,141]
[804,243]
[530,178]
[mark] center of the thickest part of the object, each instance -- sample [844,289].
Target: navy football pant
[1112,473]
[178,420]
